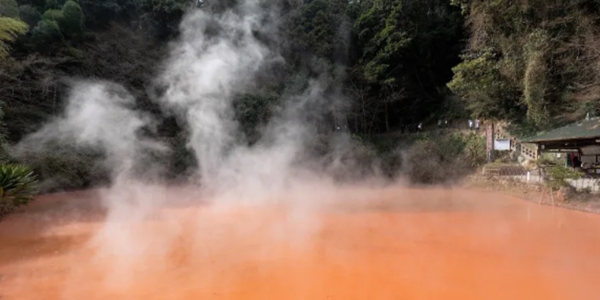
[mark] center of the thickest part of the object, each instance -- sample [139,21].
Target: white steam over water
[99,115]
[216,57]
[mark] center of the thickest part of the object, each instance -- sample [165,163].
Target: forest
[385,66]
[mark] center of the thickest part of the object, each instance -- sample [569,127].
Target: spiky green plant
[17,187]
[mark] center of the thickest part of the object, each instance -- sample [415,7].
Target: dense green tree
[253,111]
[9,8]
[382,39]
[29,15]
[52,4]
[405,52]
[545,61]
[161,17]
[218,6]
[10,29]
[487,94]
[73,19]
[313,29]
[53,15]
[99,13]
[46,34]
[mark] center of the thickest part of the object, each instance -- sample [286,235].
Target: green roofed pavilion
[580,138]
[583,130]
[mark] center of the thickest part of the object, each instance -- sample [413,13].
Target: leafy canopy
[530,61]
[29,15]
[73,18]
[9,8]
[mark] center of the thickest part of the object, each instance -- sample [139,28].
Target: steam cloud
[99,115]
[216,57]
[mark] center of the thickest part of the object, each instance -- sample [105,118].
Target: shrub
[65,167]
[17,187]
[475,151]
[29,15]
[559,176]
[344,158]
[390,163]
[45,34]
[548,160]
[437,159]
[53,15]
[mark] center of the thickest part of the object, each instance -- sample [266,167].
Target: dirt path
[392,243]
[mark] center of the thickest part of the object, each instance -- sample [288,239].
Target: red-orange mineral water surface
[390,243]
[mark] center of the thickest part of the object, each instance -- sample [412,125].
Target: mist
[102,116]
[216,57]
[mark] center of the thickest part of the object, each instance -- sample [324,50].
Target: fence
[518,173]
[591,185]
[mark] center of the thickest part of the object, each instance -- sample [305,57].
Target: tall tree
[406,49]
[530,61]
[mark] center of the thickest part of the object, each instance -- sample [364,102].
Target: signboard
[502,144]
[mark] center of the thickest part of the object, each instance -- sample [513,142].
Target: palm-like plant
[17,187]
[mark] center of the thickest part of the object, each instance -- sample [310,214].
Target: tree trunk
[387,118]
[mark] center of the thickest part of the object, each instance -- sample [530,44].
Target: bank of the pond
[536,193]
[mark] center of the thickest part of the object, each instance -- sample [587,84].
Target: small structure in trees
[580,141]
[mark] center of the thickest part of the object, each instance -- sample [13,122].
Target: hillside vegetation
[386,65]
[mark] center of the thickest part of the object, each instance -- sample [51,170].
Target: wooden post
[490,142]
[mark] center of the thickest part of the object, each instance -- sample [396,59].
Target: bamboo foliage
[10,29]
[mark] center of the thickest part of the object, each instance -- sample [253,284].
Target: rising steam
[216,57]
[102,116]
